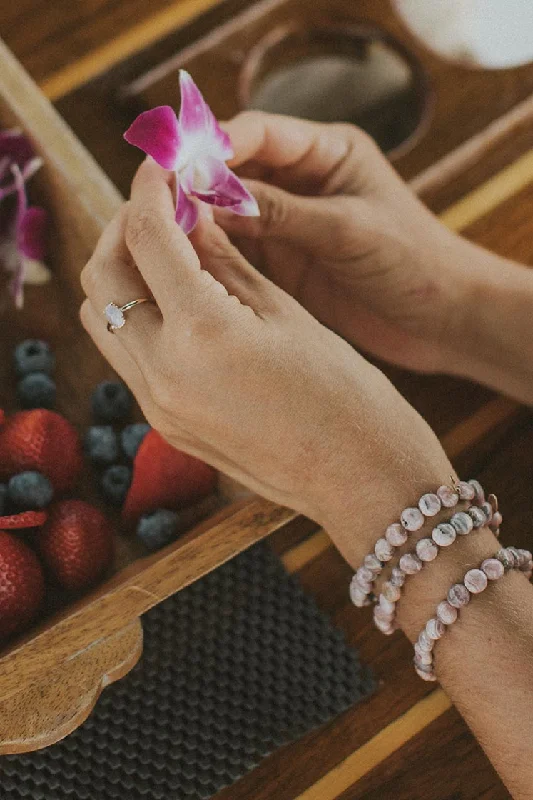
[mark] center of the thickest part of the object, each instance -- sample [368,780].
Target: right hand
[342,233]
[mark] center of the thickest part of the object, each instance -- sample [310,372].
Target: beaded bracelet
[474,582]
[426,550]
[412,519]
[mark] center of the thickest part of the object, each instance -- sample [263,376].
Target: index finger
[308,150]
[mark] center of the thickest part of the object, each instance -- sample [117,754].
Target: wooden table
[407,741]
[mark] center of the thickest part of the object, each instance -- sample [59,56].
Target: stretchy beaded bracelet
[426,550]
[412,519]
[474,582]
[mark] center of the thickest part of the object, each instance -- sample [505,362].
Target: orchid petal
[16,146]
[31,233]
[186,211]
[225,189]
[36,273]
[155,132]
[201,133]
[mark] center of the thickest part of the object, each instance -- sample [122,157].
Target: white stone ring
[116,315]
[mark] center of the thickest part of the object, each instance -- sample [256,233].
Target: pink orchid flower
[23,246]
[195,147]
[15,148]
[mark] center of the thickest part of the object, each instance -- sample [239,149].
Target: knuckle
[88,278]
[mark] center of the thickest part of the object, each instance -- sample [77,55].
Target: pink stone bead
[373,563]
[525,558]
[385,627]
[387,605]
[479,494]
[358,597]
[496,520]
[506,556]
[466,490]
[446,613]
[365,586]
[493,569]
[444,534]
[380,613]
[365,574]
[475,581]
[391,592]
[425,643]
[422,656]
[410,564]
[429,504]
[462,523]
[383,550]
[478,516]
[426,550]
[435,628]
[448,496]
[487,510]
[396,535]
[412,519]
[426,676]
[397,577]
[458,596]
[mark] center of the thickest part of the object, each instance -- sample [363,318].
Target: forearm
[485,661]
[492,336]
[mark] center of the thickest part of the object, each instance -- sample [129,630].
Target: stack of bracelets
[477,514]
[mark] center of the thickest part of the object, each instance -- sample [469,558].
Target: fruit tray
[50,678]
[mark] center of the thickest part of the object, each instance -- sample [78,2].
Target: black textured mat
[234,666]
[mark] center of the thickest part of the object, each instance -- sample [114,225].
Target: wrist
[491,330]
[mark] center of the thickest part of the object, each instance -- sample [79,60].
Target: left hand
[230,368]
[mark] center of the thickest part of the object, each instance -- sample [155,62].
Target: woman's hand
[342,233]
[229,367]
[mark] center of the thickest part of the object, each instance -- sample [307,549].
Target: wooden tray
[51,678]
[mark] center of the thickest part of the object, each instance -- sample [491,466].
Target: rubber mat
[235,666]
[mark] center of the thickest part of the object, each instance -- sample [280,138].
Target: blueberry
[30,491]
[159,528]
[36,390]
[132,436]
[101,445]
[111,402]
[33,355]
[116,482]
[3,498]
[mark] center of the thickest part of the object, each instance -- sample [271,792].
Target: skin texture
[255,369]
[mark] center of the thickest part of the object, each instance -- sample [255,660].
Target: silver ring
[116,315]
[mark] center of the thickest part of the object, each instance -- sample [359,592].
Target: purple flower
[195,147]
[15,149]
[23,245]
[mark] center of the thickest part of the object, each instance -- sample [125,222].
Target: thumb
[305,221]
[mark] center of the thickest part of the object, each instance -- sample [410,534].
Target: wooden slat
[378,748]
[125,44]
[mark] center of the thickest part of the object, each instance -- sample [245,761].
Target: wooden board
[405,742]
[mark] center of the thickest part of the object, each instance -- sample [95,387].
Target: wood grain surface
[477,168]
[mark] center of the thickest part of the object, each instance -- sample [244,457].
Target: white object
[487,33]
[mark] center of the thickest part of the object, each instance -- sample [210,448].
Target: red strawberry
[164,477]
[44,441]
[76,544]
[21,585]
[26,519]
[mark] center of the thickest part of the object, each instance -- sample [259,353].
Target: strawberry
[164,477]
[44,441]
[25,519]
[21,585]
[76,544]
